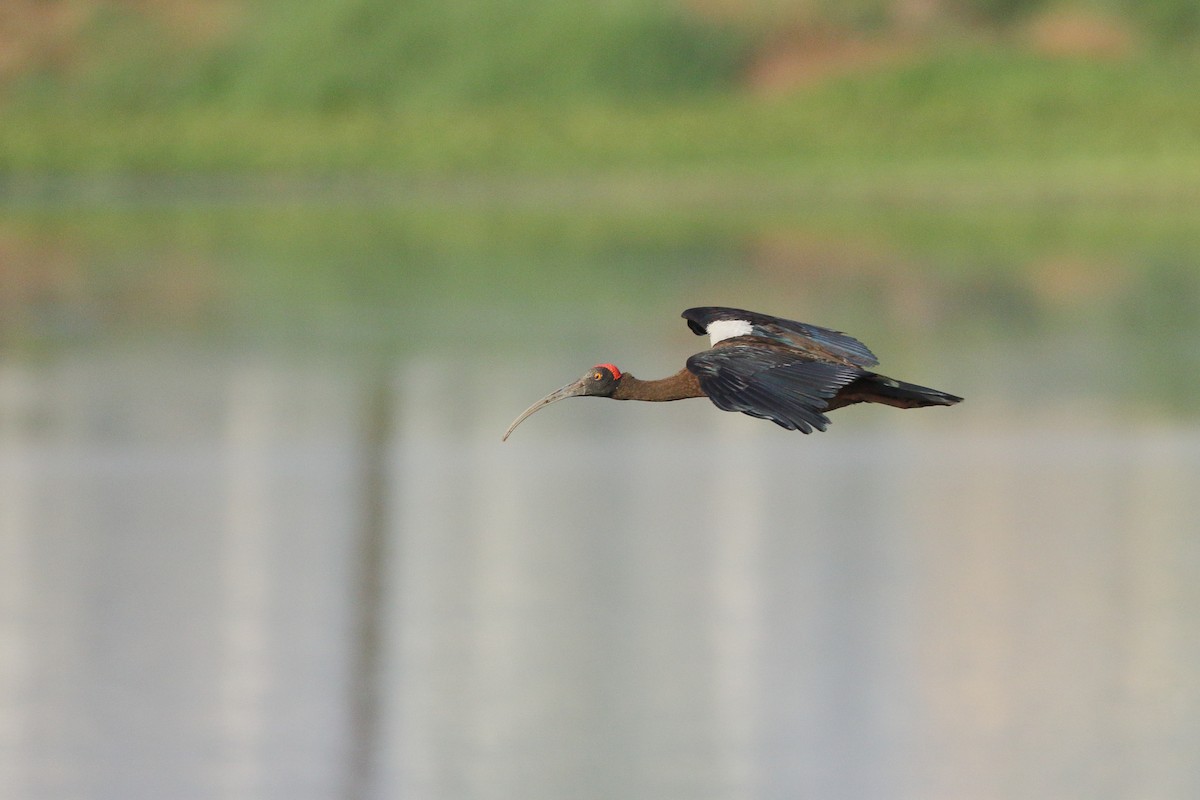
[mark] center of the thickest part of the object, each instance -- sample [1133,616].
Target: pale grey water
[231,567]
[274,580]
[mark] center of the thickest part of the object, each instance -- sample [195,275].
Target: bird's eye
[596,376]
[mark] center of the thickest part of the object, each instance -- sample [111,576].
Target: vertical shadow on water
[368,591]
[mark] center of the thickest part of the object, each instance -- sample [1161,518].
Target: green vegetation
[573,88]
[320,57]
[1013,113]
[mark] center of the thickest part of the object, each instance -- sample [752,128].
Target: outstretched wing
[772,383]
[822,344]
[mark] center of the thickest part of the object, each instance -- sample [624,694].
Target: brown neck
[679,386]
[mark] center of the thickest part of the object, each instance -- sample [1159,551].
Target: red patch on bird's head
[616,373]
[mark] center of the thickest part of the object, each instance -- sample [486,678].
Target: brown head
[599,381]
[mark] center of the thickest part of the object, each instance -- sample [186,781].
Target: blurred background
[275,276]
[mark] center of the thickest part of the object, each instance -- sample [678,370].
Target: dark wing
[819,343]
[773,383]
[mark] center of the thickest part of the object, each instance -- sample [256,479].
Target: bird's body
[788,372]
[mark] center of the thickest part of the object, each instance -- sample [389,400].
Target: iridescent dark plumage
[789,372]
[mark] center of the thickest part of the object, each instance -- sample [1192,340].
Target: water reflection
[310,580]
[259,538]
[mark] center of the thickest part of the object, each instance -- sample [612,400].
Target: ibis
[791,373]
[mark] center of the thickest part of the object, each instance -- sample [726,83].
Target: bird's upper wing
[774,383]
[821,344]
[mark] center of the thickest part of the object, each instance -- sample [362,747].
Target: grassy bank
[1016,113]
[633,91]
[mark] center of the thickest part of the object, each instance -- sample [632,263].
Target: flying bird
[791,373]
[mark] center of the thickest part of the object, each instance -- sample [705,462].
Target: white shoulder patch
[722,329]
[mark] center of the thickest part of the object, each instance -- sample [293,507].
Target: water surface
[259,537]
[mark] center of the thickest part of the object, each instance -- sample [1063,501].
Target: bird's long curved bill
[570,390]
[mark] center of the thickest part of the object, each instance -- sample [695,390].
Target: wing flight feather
[770,382]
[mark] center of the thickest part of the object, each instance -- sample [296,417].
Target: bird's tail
[889,391]
[873,388]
